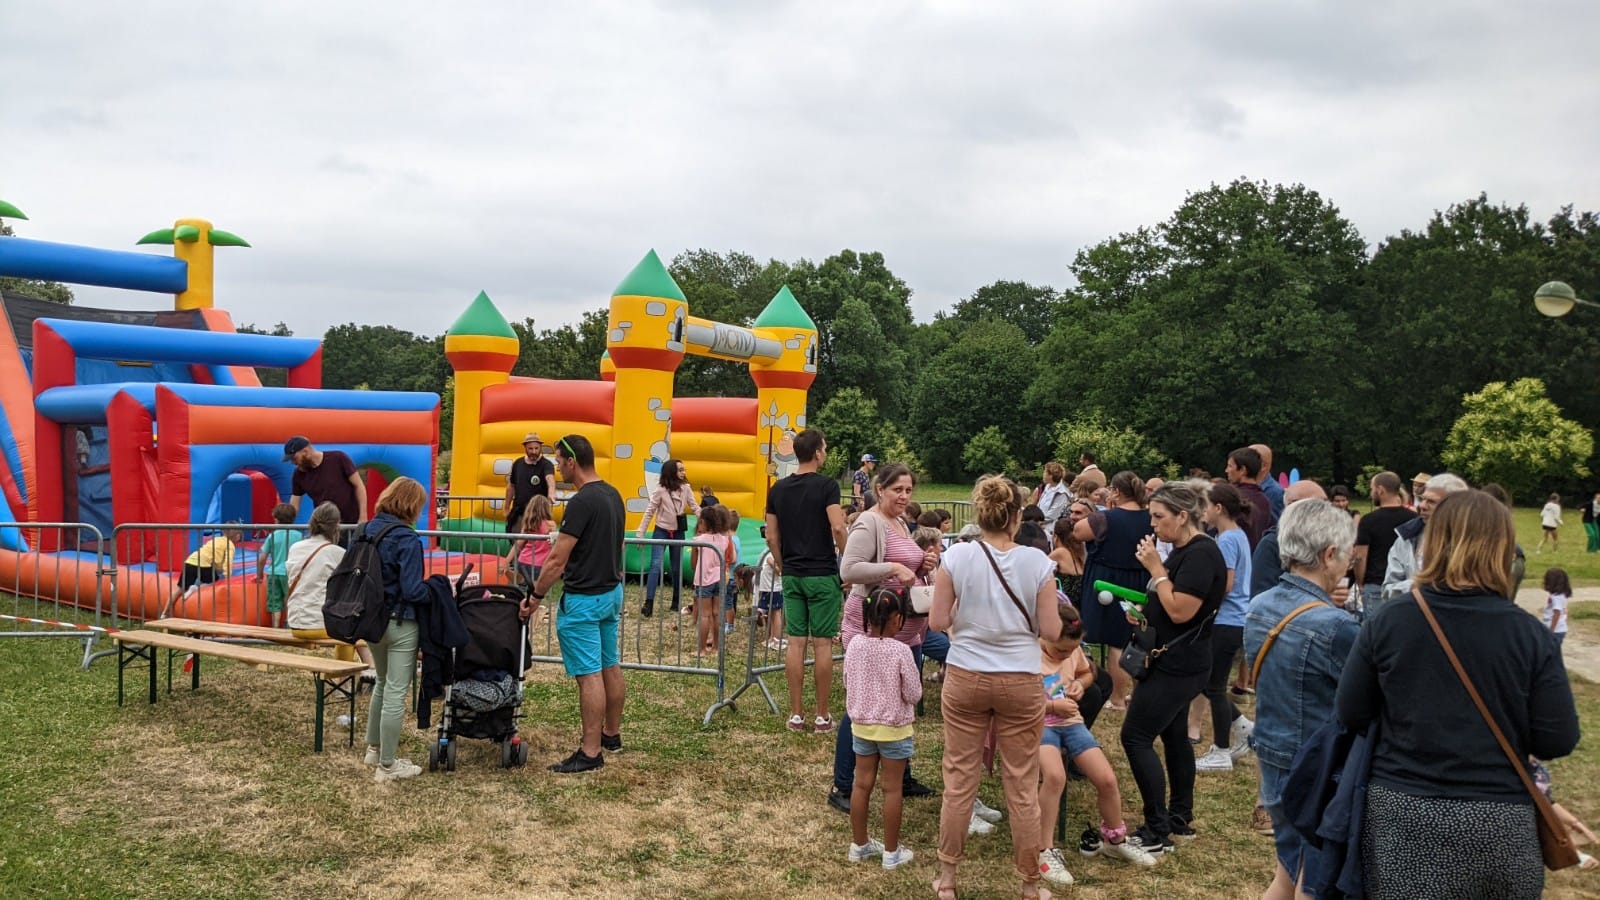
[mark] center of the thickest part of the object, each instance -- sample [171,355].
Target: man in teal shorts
[805,532]
[587,556]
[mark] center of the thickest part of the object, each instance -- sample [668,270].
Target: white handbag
[921,598]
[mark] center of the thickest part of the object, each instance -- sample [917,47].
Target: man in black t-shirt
[805,532]
[587,556]
[1375,535]
[531,475]
[326,476]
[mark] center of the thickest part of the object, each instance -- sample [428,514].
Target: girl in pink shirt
[881,690]
[711,571]
[527,557]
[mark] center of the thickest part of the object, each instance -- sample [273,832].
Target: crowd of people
[1246,587]
[1195,596]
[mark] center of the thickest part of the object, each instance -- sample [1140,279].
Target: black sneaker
[1089,842]
[579,761]
[915,788]
[839,800]
[1152,843]
[611,743]
[1181,830]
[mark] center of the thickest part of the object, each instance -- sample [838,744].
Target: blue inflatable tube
[47,261]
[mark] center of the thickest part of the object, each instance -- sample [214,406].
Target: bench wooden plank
[320,665]
[226,629]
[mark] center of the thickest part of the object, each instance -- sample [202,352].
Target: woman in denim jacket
[395,656]
[1300,672]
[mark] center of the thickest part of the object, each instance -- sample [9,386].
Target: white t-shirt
[303,608]
[767,580]
[989,633]
[1556,603]
[1551,515]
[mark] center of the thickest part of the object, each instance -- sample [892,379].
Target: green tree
[988,452]
[1220,326]
[1115,447]
[1448,308]
[1032,308]
[569,352]
[822,290]
[382,358]
[447,413]
[854,426]
[1515,436]
[864,359]
[969,386]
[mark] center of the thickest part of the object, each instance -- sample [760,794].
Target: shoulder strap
[1007,585]
[303,567]
[1466,682]
[1272,636]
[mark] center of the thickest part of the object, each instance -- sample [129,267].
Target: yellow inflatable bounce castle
[736,445]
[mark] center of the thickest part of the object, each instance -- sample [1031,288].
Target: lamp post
[1557,298]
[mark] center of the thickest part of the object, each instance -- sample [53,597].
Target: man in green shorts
[805,532]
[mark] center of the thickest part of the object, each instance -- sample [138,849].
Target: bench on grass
[333,677]
[243,632]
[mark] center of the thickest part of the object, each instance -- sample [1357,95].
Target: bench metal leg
[194,673]
[151,654]
[344,688]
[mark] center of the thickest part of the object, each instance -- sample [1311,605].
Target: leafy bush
[1115,447]
[1515,435]
[988,451]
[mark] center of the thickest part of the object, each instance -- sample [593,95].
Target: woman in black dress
[1112,538]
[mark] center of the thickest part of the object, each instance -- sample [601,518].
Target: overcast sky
[389,160]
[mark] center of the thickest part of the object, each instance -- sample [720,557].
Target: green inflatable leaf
[7,211]
[159,236]
[187,233]
[220,238]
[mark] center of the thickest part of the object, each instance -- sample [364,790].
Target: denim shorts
[707,592]
[1070,739]
[1287,842]
[586,627]
[770,601]
[730,596]
[900,749]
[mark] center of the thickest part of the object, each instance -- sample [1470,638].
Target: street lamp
[1557,298]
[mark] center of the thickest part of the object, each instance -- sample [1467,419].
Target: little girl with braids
[881,690]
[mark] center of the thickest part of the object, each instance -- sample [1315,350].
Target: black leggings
[1160,709]
[1225,643]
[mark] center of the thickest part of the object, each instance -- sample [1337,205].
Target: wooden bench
[246,632]
[333,677]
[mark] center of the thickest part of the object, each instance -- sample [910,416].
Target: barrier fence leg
[316,733]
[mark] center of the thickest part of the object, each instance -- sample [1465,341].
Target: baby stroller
[484,680]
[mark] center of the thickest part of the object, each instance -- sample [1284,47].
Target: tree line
[1255,312]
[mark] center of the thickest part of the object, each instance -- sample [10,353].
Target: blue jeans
[935,646]
[652,578]
[395,659]
[1287,842]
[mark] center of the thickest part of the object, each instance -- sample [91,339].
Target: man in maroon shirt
[326,476]
[1244,473]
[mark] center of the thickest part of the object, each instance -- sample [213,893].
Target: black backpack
[356,608]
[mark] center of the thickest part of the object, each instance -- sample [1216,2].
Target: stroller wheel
[433,757]
[521,752]
[450,756]
[508,755]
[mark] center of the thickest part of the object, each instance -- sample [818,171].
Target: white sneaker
[979,826]
[400,768]
[899,856]
[864,852]
[1239,737]
[371,758]
[1053,868]
[984,811]
[1215,760]
[1128,852]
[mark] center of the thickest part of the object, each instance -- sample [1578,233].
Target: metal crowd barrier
[463,506]
[67,593]
[764,657]
[666,643]
[960,511]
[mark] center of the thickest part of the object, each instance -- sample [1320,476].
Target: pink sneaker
[797,723]
[822,724]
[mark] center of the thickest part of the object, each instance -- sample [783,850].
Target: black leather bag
[1140,653]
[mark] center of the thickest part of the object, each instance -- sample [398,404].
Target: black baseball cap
[294,445]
